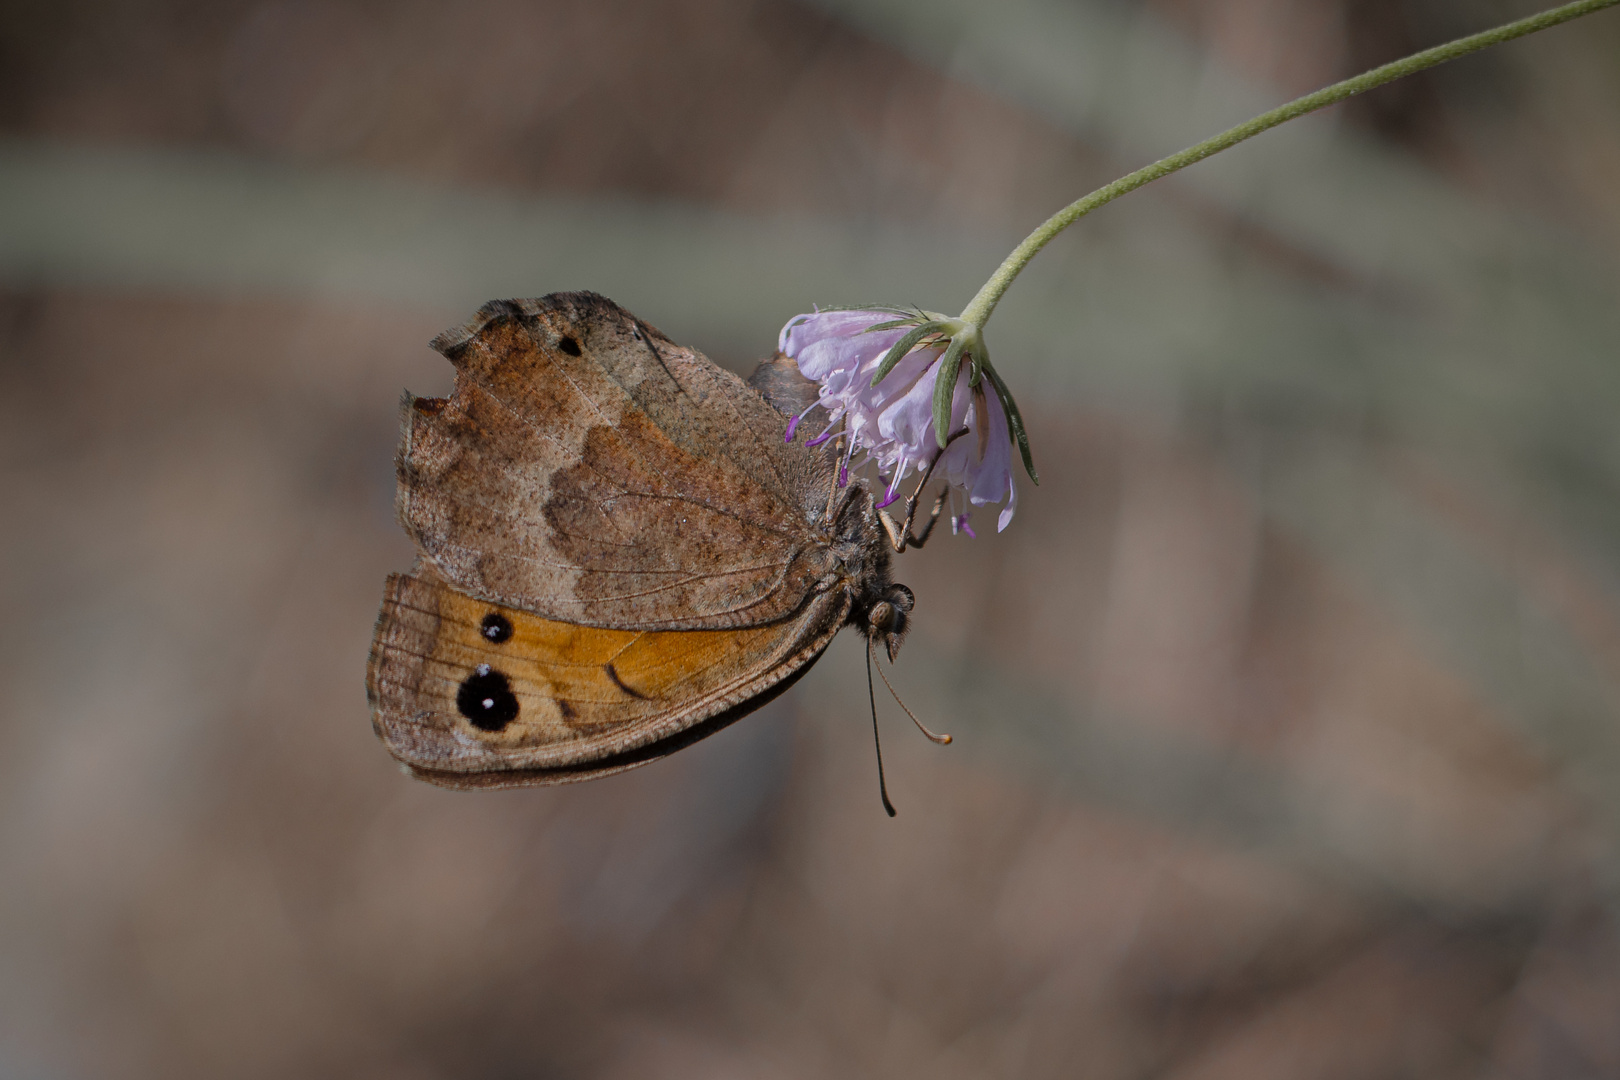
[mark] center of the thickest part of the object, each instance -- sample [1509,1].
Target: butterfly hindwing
[467,693]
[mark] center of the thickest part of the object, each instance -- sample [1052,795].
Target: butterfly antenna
[943,740]
[883,787]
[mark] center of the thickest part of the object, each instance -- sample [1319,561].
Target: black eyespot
[569,346]
[496,628]
[486,699]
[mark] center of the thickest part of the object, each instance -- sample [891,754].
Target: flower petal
[893,424]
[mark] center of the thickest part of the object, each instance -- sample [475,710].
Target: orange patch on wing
[556,693]
[590,666]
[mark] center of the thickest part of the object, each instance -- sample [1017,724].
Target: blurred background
[1286,709]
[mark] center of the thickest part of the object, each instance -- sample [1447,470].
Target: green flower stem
[979,308]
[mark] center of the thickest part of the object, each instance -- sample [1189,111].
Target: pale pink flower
[891,424]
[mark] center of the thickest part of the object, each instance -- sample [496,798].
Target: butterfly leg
[832,481]
[933,519]
[835,505]
[891,527]
[838,504]
[900,535]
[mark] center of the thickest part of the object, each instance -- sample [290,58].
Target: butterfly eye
[883,616]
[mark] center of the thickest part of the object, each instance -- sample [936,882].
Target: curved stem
[979,308]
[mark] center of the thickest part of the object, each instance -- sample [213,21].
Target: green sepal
[945,388]
[981,360]
[904,346]
[1015,421]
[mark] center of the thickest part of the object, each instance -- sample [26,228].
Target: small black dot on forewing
[485,698]
[496,628]
[569,346]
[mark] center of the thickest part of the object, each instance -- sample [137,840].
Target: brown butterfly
[618,553]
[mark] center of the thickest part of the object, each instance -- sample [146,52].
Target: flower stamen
[901,385]
[843,466]
[894,485]
[824,436]
[793,424]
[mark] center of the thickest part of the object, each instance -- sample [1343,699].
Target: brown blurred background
[1286,710]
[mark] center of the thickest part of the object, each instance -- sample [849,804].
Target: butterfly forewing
[587,469]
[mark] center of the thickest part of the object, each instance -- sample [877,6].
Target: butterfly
[618,551]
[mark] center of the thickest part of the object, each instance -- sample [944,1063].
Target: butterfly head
[889,619]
